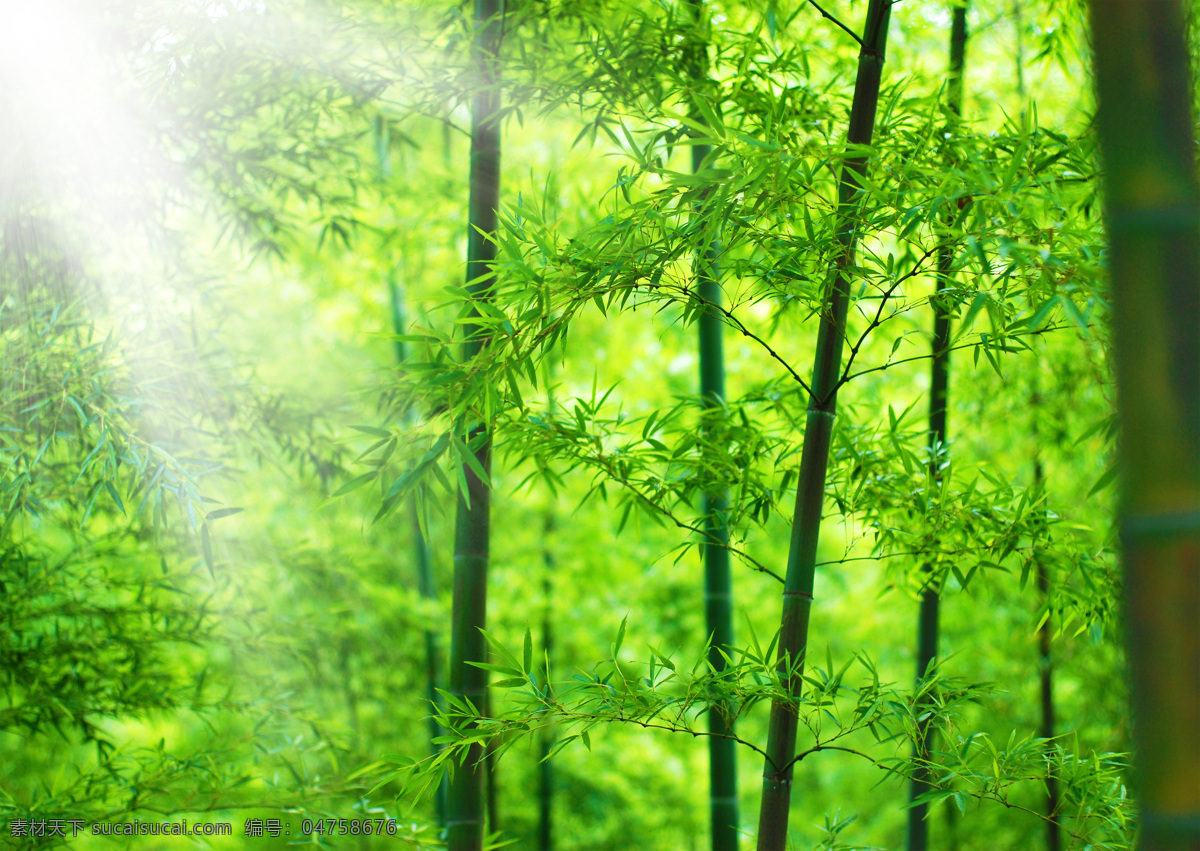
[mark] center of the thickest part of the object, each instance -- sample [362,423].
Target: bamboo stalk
[491,787]
[546,766]
[1152,211]
[465,798]
[433,649]
[1046,630]
[718,585]
[939,399]
[547,738]
[426,586]
[1046,672]
[814,457]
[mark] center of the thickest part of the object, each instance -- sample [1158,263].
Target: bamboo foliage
[1152,208]
[465,799]
[939,399]
[656,248]
[585,275]
[818,433]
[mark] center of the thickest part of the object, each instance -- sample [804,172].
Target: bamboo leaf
[206,547]
[616,648]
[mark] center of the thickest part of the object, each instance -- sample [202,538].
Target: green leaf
[616,648]
[977,304]
[206,546]
[1105,481]
[371,430]
[116,496]
[1076,317]
[356,483]
[1041,318]
[663,660]
[507,670]
[511,682]
[470,459]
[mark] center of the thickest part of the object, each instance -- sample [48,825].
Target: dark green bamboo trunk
[465,798]
[1053,831]
[814,456]
[1046,672]
[718,585]
[718,596]
[952,841]
[1152,210]
[939,400]
[425,582]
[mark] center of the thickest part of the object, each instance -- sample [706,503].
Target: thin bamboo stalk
[939,399]
[1046,630]
[426,586]
[465,799]
[1152,211]
[546,766]
[433,648]
[490,783]
[547,738]
[718,584]
[814,456]
[1046,671]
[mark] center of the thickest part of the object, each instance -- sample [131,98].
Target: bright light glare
[67,138]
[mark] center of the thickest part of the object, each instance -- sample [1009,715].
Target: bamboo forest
[600,424]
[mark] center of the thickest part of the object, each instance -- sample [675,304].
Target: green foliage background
[225,343]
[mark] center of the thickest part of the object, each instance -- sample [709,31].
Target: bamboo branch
[830,17]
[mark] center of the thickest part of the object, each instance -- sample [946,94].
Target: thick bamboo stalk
[939,398]
[718,585]
[465,799]
[1152,209]
[814,456]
